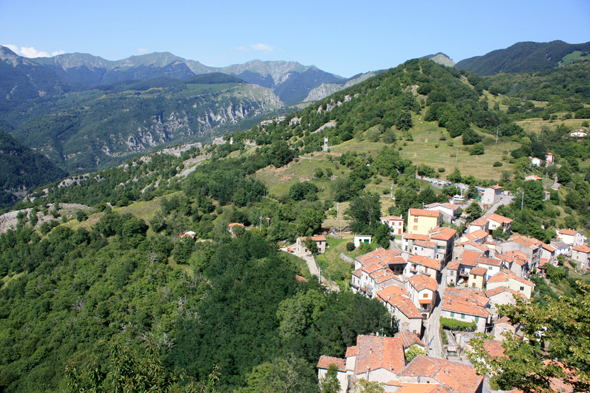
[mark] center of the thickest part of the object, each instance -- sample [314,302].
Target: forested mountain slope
[525,57]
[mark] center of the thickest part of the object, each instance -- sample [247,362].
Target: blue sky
[342,37]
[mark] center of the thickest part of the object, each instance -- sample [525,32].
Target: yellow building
[421,221]
[477,277]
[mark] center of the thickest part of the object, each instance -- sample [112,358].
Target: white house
[358,239]
[581,254]
[466,306]
[510,280]
[571,237]
[422,290]
[395,224]
[491,195]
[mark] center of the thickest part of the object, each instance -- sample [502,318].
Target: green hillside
[525,57]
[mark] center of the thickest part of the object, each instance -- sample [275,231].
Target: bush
[453,324]
[350,246]
[477,150]
[497,164]
[441,169]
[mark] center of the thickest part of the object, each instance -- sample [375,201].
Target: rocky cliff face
[326,89]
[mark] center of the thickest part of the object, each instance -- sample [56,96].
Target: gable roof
[470,258]
[424,213]
[498,218]
[489,261]
[415,236]
[379,352]
[325,361]
[499,290]
[379,256]
[465,301]
[392,218]
[584,249]
[425,244]
[425,261]
[567,232]
[399,299]
[506,275]
[457,377]
[443,233]
[409,339]
[478,271]
[422,281]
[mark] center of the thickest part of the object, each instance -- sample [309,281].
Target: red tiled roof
[379,256]
[426,244]
[479,234]
[453,265]
[498,290]
[233,224]
[489,261]
[424,213]
[478,271]
[494,348]
[456,305]
[480,222]
[549,247]
[425,261]
[325,361]
[443,233]
[568,232]
[300,278]
[350,351]
[409,339]
[584,249]
[415,236]
[457,377]
[470,258]
[378,352]
[314,238]
[498,218]
[505,275]
[400,300]
[392,218]
[479,247]
[529,242]
[422,281]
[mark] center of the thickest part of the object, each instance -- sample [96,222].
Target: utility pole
[261,223]
[522,201]
[391,190]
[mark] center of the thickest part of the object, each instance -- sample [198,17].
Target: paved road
[504,200]
[433,325]
[314,269]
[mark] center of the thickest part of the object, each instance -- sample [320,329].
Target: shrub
[497,164]
[477,149]
[350,246]
[453,324]
[441,169]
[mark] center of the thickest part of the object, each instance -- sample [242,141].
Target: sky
[342,37]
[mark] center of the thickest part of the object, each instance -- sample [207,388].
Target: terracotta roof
[300,278]
[498,290]
[498,218]
[453,265]
[357,272]
[518,254]
[567,232]
[233,224]
[478,246]
[457,377]
[480,222]
[478,271]
[426,244]
[443,233]
[479,234]
[425,261]
[392,218]
[470,258]
[325,362]
[422,281]
[415,236]
[402,302]
[379,256]
[494,348]
[424,213]
[505,275]
[314,238]
[526,241]
[549,248]
[406,387]
[350,351]
[452,304]
[409,339]
[391,292]
[496,187]
[372,268]
[584,249]
[489,261]
[474,296]
[378,352]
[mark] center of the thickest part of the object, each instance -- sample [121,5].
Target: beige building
[477,277]
[509,280]
[320,242]
[581,255]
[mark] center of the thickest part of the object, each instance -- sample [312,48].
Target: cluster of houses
[383,359]
[481,274]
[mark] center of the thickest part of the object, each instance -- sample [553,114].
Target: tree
[282,375]
[414,351]
[477,150]
[533,194]
[364,386]
[329,383]
[364,212]
[311,245]
[474,211]
[455,176]
[403,121]
[472,192]
[528,364]
[309,221]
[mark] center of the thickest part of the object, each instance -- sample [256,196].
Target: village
[442,288]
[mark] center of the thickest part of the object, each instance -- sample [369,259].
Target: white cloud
[259,47]
[142,50]
[32,52]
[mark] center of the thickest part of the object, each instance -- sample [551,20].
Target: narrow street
[432,335]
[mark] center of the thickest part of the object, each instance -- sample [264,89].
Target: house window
[476,319]
[452,314]
[425,295]
[415,219]
[415,227]
[462,316]
[522,288]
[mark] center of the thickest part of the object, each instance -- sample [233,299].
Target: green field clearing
[535,124]
[333,267]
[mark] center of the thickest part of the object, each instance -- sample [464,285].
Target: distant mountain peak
[442,59]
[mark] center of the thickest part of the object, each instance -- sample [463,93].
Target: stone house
[581,254]
[320,242]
